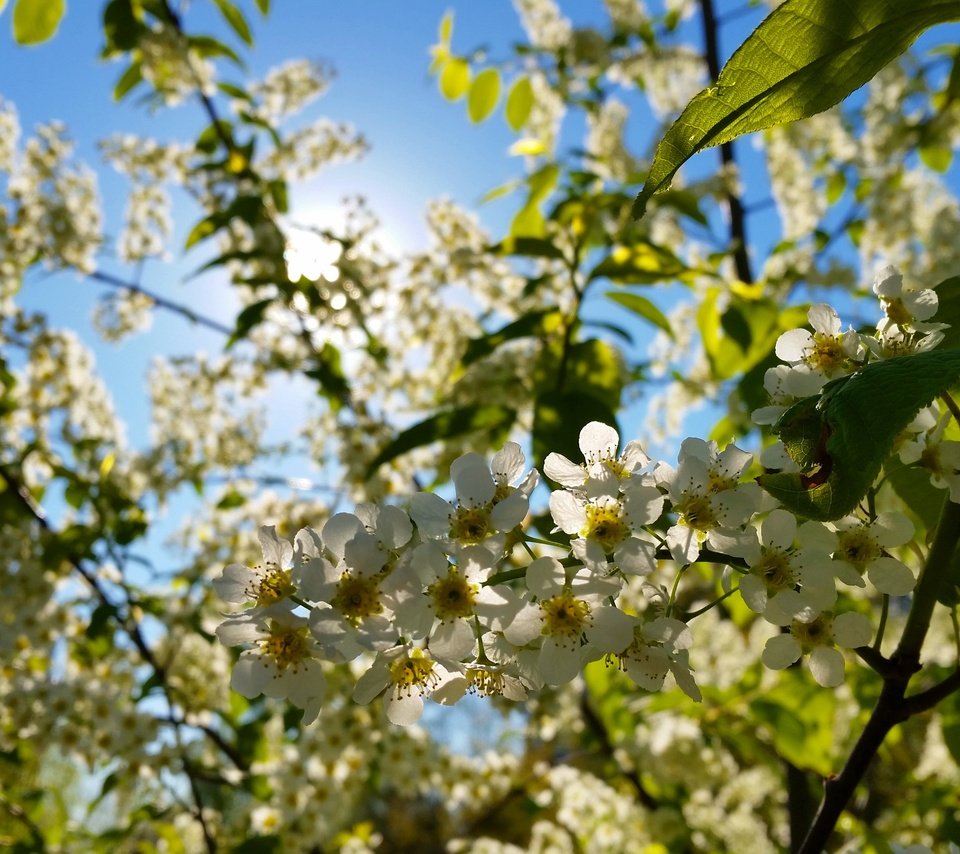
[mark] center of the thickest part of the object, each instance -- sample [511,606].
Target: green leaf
[798,718]
[208,47]
[234,17]
[35,21]
[912,484]
[130,78]
[532,247]
[445,425]
[455,79]
[841,437]
[742,334]
[684,202]
[836,184]
[642,263]
[445,32]
[643,307]
[806,56]
[537,324]
[936,157]
[231,499]
[121,26]
[519,103]
[484,94]
[247,319]
[327,370]
[264,6]
[595,367]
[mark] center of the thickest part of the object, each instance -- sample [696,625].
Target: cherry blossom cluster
[454,595]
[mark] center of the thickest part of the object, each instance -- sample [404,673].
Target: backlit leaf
[35,21]
[519,103]
[806,56]
[455,79]
[484,94]
[642,307]
[234,17]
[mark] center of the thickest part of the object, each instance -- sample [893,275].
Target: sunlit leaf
[445,32]
[455,79]
[35,21]
[641,263]
[519,103]
[806,56]
[642,307]
[841,437]
[128,80]
[484,94]
[234,17]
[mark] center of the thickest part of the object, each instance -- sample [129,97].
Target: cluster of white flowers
[544,25]
[448,601]
[173,68]
[286,90]
[305,151]
[54,209]
[605,145]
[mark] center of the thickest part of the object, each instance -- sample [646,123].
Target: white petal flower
[603,472]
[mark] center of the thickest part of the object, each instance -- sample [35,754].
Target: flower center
[285,645]
[828,355]
[605,525]
[565,616]
[485,681]
[274,585]
[775,570]
[697,512]
[413,673]
[817,633]
[452,596]
[857,547]
[470,525]
[897,311]
[357,597]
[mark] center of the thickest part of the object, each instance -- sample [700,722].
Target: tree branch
[168,305]
[891,708]
[738,224]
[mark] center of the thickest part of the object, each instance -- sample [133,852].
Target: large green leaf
[841,437]
[806,56]
[35,21]
[445,425]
